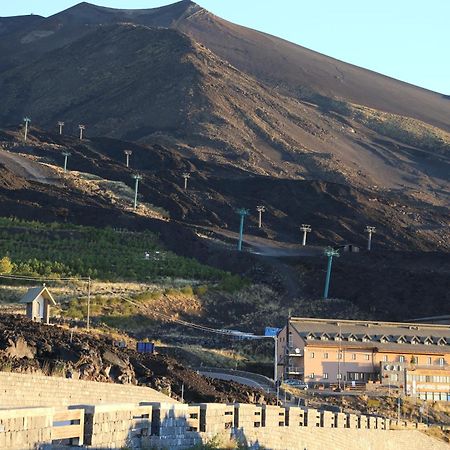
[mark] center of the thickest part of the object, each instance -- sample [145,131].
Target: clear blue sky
[405,39]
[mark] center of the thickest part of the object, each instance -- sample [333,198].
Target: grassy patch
[54,250]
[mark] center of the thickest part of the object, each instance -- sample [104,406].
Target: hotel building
[413,357]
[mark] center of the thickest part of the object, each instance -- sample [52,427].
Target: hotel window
[385,358]
[325,356]
[311,376]
[325,376]
[429,361]
[441,361]
[367,357]
[401,358]
[353,356]
[311,354]
[339,376]
[414,360]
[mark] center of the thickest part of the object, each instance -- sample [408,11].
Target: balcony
[293,352]
[295,370]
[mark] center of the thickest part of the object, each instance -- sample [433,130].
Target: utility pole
[329,252]
[60,124]
[127,154]
[306,229]
[260,210]
[137,177]
[186,177]
[88,316]
[66,155]
[370,230]
[81,127]
[27,120]
[242,212]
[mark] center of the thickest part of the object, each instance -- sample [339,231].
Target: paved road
[236,378]
[268,247]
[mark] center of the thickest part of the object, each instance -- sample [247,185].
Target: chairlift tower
[66,155]
[242,212]
[260,210]
[370,230]
[82,128]
[137,177]
[128,153]
[329,252]
[306,229]
[60,125]
[27,120]
[186,177]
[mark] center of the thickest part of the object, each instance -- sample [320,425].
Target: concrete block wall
[273,416]
[21,428]
[353,421]
[117,425]
[314,418]
[20,390]
[296,416]
[327,419]
[175,425]
[247,416]
[216,417]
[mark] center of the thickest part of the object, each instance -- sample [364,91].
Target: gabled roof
[33,293]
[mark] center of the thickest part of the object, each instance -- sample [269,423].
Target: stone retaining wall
[18,390]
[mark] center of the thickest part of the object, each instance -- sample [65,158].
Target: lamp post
[81,127]
[260,210]
[137,177]
[27,120]
[60,125]
[306,229]
[242,212]
[66,155]
[186,177]
[370,230]
[329,252]
[127,155]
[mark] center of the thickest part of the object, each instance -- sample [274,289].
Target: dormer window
[401,340]
[324,337]
[384,339]
[310,336]
[442,341]
[351,338]
[415,340]
[428,340]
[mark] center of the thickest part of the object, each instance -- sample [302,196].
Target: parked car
[299,384]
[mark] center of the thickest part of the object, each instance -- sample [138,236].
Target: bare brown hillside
[160,86]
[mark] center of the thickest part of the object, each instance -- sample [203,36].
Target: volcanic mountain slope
[297,70]
[158,85]
[338,213]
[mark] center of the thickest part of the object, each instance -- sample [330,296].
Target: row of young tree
[100,253]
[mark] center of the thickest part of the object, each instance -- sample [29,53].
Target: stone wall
[18,390]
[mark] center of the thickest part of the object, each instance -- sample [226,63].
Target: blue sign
[271,332]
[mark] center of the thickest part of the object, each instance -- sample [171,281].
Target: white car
[299,384]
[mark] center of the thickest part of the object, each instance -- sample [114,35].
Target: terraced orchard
[56,251]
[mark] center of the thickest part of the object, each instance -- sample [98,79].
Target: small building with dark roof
[38,301]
